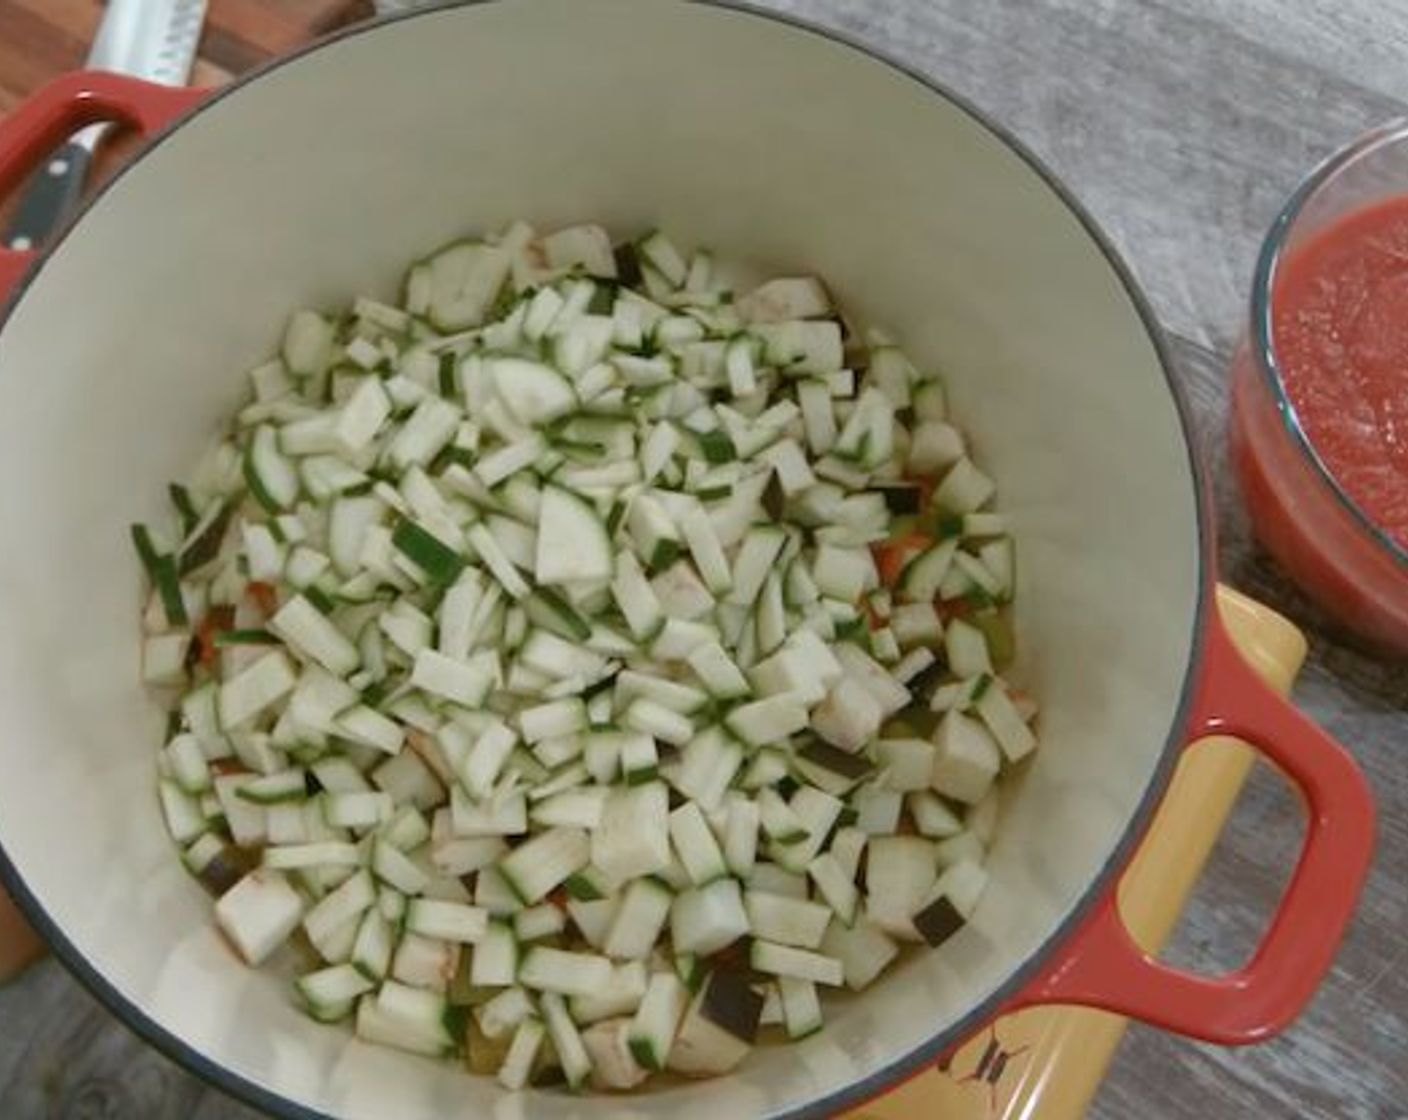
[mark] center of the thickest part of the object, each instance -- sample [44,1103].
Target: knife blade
[151,39]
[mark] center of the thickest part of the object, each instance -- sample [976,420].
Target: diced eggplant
[220,873]
[938,921]
[829,768]
[720,1027]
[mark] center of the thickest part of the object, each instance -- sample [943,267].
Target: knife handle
[57,111]
[51,194]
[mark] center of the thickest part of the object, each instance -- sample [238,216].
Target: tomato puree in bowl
[1320,416]
[1340,333]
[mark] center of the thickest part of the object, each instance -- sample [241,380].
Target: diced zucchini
[966,758]
[572,544]
[830,769]
[707,919]
[587,567]
[425,962]
[754,561]
[639,920]
[540,864]
[566,1039]
[922,577]
[861,667]
[932,818]
[959,847]
[313,635]
[653,718]
[695,844]
[801,1007]
[653,1028]
[849,717]
[964,489]
[900,871]
[995,708]
[907,764]
[717,672]
[770,720]
[407,1018]
[504,814]
[277,788]
[787,921]
[462,283]
[706,767]
[448,921]
[633,838]
[864,951]
[258,914]
[502,1012]
[741,836]
[877,810]
[495,961]
[485,758]
[656,250]
[708,553]
[256,689]
[371,952]
[656,538]
[392,867]
[566,973]
[836,885]
[522,1054]
[184,819]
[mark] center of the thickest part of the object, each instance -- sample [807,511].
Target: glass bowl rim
[1273,250]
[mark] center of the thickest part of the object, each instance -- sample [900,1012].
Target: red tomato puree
[1340,333]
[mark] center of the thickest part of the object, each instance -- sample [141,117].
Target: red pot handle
[1101,966]
[59,109]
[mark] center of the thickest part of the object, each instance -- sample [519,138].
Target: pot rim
[903,1066]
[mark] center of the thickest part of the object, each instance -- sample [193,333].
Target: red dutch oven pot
[318,178]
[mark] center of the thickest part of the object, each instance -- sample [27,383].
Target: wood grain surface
[42,38]
[1182,125]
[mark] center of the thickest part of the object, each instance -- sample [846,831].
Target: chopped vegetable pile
[585,668]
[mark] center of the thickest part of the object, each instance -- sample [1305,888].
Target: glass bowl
[1330,546]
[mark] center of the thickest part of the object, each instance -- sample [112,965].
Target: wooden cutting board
[40,39]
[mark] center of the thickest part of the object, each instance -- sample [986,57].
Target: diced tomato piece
[735,958]
[216,619]
[223,767]
[953,608]
[926,489]
[265,595]
[891,556]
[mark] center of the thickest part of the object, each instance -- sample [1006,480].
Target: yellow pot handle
[19,945]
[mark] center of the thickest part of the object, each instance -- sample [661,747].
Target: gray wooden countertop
[1182,125]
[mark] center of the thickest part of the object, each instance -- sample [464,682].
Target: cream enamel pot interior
[124,347]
